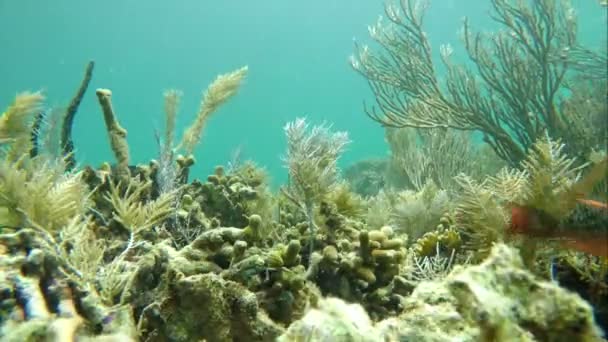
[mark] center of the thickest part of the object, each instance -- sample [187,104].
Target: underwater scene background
[304,171]
[297,54]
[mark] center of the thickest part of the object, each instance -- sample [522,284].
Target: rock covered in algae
[207,307]
[497,300]
[333,321]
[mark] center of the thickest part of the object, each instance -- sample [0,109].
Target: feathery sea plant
[480,215]
[217,93]
[167,171]
[223,88]
[551,174]
[311,161]
[35,191]
[82,250]
[347,202]
[380,209]
[415,213]
[134,213]
[17,121]
[548,180]
[422,155]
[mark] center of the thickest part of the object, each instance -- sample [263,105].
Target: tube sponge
[117,134]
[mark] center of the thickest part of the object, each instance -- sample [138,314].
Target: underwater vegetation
[444,240]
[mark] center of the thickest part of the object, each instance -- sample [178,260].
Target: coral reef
[125,252]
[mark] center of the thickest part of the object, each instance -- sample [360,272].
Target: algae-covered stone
[332,321]
[205,306]
[498,300]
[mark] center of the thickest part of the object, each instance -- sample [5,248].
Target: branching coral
[432,267]
[513,95]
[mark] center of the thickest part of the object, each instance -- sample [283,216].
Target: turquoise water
[297,53]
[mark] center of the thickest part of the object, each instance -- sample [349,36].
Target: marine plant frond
[251,173]
[17,118]
[480,215]
[223,88]
[509,184]
[347,202]
[131,209]
[68,198]
[43,194]
[82,249]
[83,254]
[415,213]
[596,178]
[17,121]
[380,209]
[172,101]
[312,158]
[551,174]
